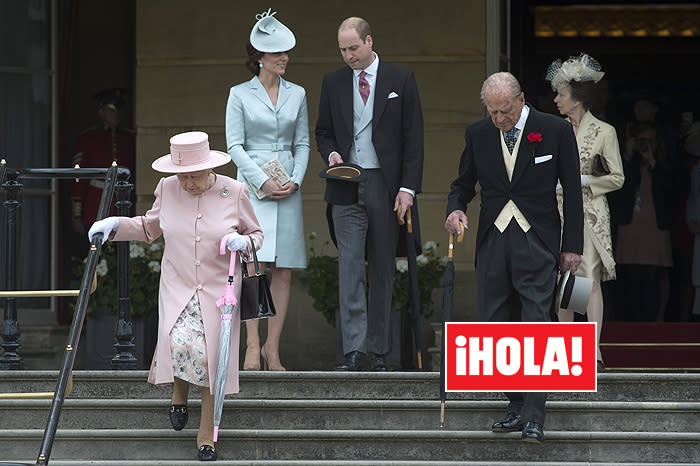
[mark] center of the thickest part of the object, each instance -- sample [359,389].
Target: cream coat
[595,137]
[192,227]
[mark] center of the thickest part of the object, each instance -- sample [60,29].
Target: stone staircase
[353,419]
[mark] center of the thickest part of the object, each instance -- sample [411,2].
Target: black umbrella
[447,297]
[413,284]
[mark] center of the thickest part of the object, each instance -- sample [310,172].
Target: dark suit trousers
[516,272]
[368,225]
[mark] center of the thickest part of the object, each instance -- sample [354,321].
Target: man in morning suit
[517,154]
[369,115]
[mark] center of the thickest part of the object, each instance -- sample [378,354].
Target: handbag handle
[255,260]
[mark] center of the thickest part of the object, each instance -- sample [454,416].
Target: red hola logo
[520,357]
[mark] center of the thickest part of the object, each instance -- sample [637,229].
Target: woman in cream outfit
[266,119]
[601,172]
[193,211]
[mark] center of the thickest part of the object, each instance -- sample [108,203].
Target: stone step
[356,414]
[345,463]
[371,445]
[349,385]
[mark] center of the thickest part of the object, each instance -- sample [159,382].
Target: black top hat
[112,97]
[341,183]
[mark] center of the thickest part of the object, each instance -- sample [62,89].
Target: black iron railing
[115,178]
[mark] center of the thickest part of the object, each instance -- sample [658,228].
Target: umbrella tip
[216,433]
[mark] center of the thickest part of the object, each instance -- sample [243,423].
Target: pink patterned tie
[364,87]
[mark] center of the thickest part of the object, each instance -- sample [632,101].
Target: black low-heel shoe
[207,453]
[178,416]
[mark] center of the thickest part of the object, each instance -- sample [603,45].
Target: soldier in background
[98,147]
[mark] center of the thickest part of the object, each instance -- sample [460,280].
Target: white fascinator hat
[269,35]
[581,68]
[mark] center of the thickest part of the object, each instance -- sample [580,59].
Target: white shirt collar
[523,118]
[371,70]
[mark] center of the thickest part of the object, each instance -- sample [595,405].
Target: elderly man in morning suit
[517,154]
[369,115]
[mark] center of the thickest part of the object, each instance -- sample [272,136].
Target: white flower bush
[402,265]
[102,268]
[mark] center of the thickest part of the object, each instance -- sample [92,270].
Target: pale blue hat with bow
[269,35]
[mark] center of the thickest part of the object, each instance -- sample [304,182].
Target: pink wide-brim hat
[189,152]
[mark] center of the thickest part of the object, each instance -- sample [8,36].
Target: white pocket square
[542,158]
[393,95]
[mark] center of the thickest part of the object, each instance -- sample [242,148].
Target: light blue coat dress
[257,132]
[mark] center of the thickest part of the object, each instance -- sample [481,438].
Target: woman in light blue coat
[267,119]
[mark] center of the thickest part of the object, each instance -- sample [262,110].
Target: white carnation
[421,260]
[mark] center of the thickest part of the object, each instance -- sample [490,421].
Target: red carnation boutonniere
[534,138]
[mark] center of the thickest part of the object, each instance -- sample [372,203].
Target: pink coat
[192,227]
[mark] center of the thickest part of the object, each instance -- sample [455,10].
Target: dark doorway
[647,50]
[97,52]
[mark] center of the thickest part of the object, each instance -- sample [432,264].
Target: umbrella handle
[409,227]
[222,251]
[451,241]
[232,264]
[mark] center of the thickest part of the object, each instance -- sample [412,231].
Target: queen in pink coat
[193,211]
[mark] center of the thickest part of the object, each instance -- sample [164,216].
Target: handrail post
[124,333]
[10,360]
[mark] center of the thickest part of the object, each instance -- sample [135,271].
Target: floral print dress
[188,347]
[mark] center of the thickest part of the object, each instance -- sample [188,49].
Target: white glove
[105,226]
[585,181]
[236,242]
[560,190]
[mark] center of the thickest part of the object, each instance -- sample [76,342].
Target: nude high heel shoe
[271,362]
[252,359]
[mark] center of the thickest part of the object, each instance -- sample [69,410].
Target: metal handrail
[35,395]
[38,293]
[76,328]
[46,293]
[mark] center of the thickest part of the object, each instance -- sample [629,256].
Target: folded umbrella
[226,304]
[447,299]
[413,284]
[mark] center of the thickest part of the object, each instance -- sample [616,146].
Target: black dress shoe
[377,363]
[207,453]
[354,361]
[533,432]
[511,423]
[178,416]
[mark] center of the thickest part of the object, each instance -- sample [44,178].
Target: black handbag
[256,299]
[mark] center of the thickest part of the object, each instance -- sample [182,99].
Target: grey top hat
[573,293]
[269,35]
[341,183]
